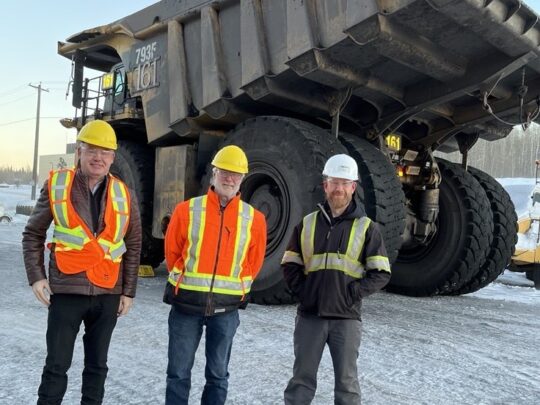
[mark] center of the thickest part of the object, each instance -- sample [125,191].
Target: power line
[55,90]
[23,87]
[13,90]
[17,99]
[28,119]
[13,93]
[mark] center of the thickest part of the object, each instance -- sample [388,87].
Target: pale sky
[30,31]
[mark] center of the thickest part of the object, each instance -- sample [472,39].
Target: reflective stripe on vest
[378,263]
[201,282]
[307,237]
[121,208]
[77,249]
[347,262]
[76,238]
[59,187]
[333,261]
[197,217]
[113,251]
[292,257]
[191,278]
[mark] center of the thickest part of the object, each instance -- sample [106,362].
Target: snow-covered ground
[481,348]
[11,196]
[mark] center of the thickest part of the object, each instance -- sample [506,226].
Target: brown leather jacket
[35,234]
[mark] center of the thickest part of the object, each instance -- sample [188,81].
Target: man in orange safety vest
[93,263]
[214,247]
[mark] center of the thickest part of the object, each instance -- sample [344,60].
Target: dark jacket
[35,234]
[330,293]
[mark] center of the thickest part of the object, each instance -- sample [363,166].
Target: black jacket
[330,293]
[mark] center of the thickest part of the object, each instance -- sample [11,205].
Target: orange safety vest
[76,247]
[215,255]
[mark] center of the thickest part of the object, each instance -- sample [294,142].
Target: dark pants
[66,312]
[311,334]
[185,333]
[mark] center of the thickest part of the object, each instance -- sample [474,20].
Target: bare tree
[512,156]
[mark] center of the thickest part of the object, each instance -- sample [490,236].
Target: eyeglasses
[227,174]
[98,152]
[336,182]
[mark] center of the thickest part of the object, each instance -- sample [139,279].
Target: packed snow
[481,348]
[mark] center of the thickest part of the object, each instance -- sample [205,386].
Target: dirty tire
[133,164]
[380,191]
[502,247]
[286,157]
[458,249]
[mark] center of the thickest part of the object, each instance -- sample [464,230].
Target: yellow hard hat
[98,133]
[231,158]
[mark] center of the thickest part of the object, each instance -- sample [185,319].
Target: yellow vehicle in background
[527,255]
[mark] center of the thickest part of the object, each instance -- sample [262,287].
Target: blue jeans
[185,333]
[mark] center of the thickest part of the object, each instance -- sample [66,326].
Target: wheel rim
[265,188]
[417,252]
[445,235]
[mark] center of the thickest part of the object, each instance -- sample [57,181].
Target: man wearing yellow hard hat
[93,264]
[214,248]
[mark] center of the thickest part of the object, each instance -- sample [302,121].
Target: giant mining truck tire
[457,251]
[286,158]
[134,164]
[379,191]
[501,249]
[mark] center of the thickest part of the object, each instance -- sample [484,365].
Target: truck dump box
[293,82]
[211,64]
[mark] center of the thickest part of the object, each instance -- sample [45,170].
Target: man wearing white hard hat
[336,257]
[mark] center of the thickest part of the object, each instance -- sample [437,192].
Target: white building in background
[54,162]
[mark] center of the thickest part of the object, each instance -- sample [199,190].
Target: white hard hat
[341,166]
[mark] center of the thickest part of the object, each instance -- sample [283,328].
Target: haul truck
[294,81]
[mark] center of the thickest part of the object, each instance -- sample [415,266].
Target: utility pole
[36,141]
